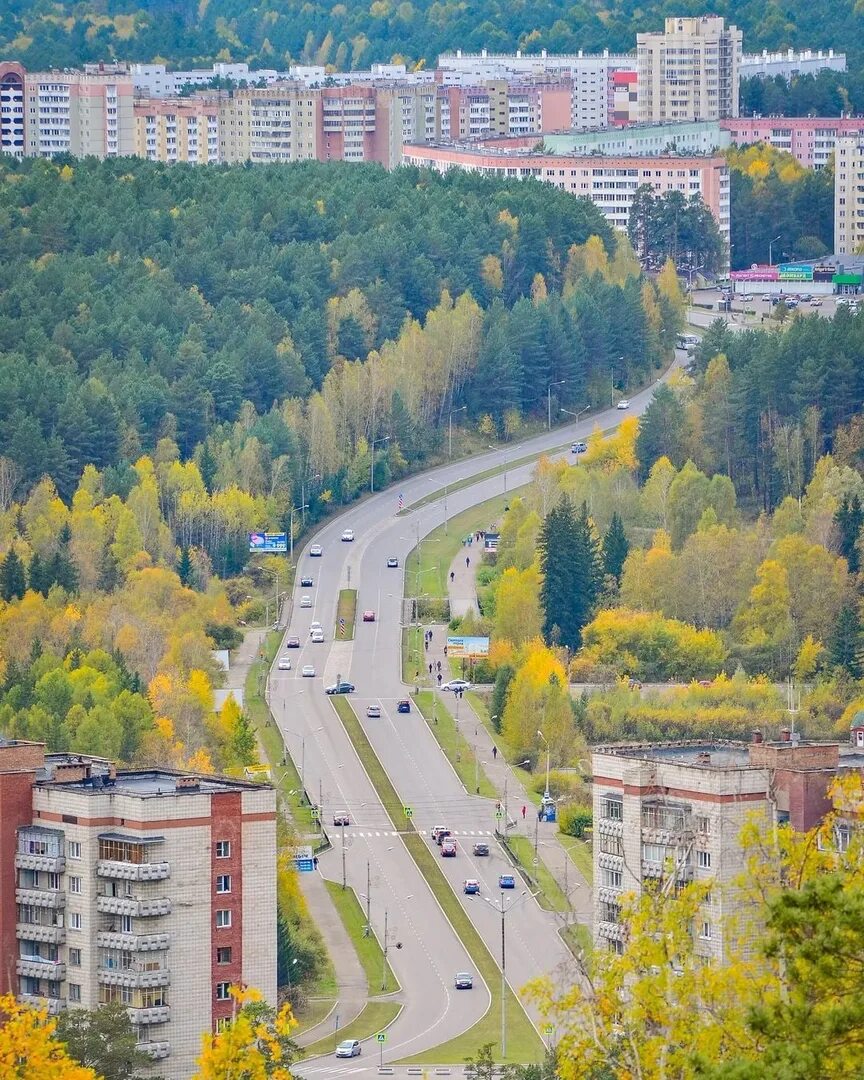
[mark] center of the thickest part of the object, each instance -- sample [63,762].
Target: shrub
[224,636]
[575,820]
[561,784]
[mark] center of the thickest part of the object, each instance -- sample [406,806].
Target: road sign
[499,814]
[315,812]
[381,1036]
[305,866]
[341,628]
[409,812]
[548,1030]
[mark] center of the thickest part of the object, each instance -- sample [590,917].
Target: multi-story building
[153,888]
[849,195]
[689,71]
[498,107]
[699,137]
[790,64]
[178,129]
[810,139]
[154,80]
[623,106]
[360,123]
[609,181]
[672,813]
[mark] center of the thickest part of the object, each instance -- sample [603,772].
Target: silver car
[348,1048]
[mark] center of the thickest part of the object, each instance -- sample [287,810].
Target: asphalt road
[430,953]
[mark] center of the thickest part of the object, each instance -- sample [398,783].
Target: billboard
[796,271]
[268,542]
[472,648]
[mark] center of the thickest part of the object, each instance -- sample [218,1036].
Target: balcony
[48,863]
[128,905]
[45,898]
[156,1014]
[132,871]
[54,935]
[156,1050]
[134,978]
[107,939]
[37,967]
[53,1005]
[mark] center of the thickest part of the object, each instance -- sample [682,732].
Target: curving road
[430,952]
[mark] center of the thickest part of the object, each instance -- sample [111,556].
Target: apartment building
[689,71]
[609,181]
[623,108]
[178,129]
[360,123]
[153,888]
[671,813]
[790,64]
[498,107]
[276,124]
[809,139]
[849,195]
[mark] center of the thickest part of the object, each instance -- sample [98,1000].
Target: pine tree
[207,466]
[37,575]
[572,573]
[849,519]
[616,547]
[13,580]
[109,571]
[844,648]
[184,566]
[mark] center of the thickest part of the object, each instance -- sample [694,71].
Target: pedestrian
[416,674]
[524,811]
[439,678]
[452,577]
[315,862]
[430,668]
[540,814]
[445,650]
[494,753]
[439,665]
[467,560]
[426,644]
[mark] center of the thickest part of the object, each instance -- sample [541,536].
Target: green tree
[571,571]
[616,548]
[844,647]
[37,575]
[13,580]
[184,566]
[104,1040]
[662,431]
[849,518]
[482,1065]
[503,678]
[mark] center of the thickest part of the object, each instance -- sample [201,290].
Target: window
[612,879]
[73,849]
[53,881]
[74,958]
[611,845]
[222,1023]
[703,826]
[74,992]
[703,860]
[611,808]
[222,991]
[74,884]
[223,954]
[223,919]
[125,924]
[705,930]
[223,883]
[75,921]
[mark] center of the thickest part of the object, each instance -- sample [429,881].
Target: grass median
[376,1016]
[523,1042]
[346,610]
[454,745]
[369,951]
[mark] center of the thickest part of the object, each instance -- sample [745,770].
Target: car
[292,642]
[805,298]
[403,706]
[373,711]
[816,302]
[578,447]
[308,671]
[624,403]
[439,832]
[369,615]
[305,601]
[316,551]
[766,299]
[448,848]
[481,848]
[842,301]
[340,688]
[284,663]
[341,819]
[306,582]
[464,981]
[317,637]
[791,303]
[471,887]
[456,685]
[313,626]
[348,1048]
[348,535]
[506,881]
[392,563]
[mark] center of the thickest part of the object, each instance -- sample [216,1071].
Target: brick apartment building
[674,811]
[149,887]
[811,140]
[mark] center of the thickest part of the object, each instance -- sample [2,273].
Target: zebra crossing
[416,832]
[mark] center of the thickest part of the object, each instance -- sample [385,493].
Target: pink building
[623,98]
[809,139]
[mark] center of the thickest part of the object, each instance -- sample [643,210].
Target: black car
[481,849]
[306,582]
[403,706]
[340,688]
[341,820]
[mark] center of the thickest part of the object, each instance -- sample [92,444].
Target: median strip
[346,614]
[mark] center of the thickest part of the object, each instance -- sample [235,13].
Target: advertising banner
[472,648]
[268,542]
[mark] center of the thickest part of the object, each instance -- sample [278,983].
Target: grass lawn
[580,852]
[578,939]
[346,610]
[369,951]
[551,895]
[453,743]
[412,657]
[315,1011]
[375,1017]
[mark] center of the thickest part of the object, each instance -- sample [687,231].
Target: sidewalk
[462,590]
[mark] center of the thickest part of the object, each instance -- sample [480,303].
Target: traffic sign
[409,812]
[548,1030]
[315,812]
[499,814]
[381,1036]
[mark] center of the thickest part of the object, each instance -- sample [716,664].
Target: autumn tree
[104,1040]
[30,1047]
[256,1043]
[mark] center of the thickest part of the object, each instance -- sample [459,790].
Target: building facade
[790,64]
[178,129]
[689,71]
[809,139]
[849,195]
[151,888]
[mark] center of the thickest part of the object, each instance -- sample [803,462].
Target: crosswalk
[417,832]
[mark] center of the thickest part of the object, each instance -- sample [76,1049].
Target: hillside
[273,33]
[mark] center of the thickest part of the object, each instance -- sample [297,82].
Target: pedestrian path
[462,585]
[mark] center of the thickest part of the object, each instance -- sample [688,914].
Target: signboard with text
[271,543]
[472,648]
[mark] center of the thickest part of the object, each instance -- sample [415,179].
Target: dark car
[448,848]
[481,848]
[506,881]
[403,706]
[292,642]
[341,819]
[340,688]
[439,832]
[306,582]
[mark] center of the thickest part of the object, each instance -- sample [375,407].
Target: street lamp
[506,465]
[505,911]
[275,574]
[461,408]
[690,272]
[549,402]
[771,249]
[375,442]
[294,510]
[545,740]
[578,415]
[446,486]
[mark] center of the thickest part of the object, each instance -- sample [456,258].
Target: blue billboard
[268,542]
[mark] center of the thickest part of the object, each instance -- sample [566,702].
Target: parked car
[305,601]
[578,447]
[624,403]
[373,711]
[284,663]
[464,981]
[292,642]
[392,563]
[369,615]
[805,298]
[471,887]
[481,848]
[403,706]
[341,688]
[815,302]
[341,819]
[439,832]
[316,551]
[457,684]
[308,671]
[448,848]
[317,637]
[306,582]
[767,298]
[348,535]
[348,1048]
[506,881]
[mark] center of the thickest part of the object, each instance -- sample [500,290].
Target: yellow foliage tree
[518,616]
[255,1044]
[29,1049]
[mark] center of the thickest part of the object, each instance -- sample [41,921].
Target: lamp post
[506,466]
[446,488]
[693,270]
[294,510]
[578,415]
[546,741]
[275,574]
[461,408]
[549,402]
[771,249]
[505,911]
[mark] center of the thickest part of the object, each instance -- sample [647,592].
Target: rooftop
[721,754]
[145,783]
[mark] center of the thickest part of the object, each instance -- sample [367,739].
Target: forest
[830,93]
[273,33]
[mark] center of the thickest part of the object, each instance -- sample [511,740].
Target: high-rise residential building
[78,113]
[178,129]
[152,888]
[501,108]
[279,123]
[672,813]
[849,195]
[689,71]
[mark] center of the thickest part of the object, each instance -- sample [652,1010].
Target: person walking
[467,560]
[439,665]
[439,678]
[452,577]
[524,811]
[430,667]
[494,753]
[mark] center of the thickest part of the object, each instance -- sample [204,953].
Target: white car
[317,637]
[623,404]
[315,626]
[316,551]
[305,601]
[348,535]
[308,671]
[456,685]
[284,663]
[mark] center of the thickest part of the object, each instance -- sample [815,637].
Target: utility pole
[368,897]
[342,830]
[384,961]
[503,987]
